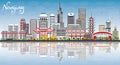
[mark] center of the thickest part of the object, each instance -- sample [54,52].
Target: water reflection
[60,49]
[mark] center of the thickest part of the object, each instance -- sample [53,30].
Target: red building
[102,36]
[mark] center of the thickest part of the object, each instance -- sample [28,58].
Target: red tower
[91,26]
[22,24]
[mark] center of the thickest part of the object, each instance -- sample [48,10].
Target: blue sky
[102,10]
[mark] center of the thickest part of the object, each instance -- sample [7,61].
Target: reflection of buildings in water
[60,50]
[53,49]
[115,45]
[103,46]
[43,49]
[59,55]
[32,48]
[81,53]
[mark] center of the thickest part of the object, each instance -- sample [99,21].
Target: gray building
[73,30]
[27,28]
[33,26]
[15,36]
[10,30]
[61,32]
[108,26]
[70,18]
[4,35]
[82,18]
[22,35]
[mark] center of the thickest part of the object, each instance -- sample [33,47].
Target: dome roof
[52,15]
[43,15]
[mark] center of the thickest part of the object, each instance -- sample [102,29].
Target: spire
[115,28]
[59,4]
[91,12]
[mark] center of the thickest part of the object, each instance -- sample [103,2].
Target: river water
[59,53]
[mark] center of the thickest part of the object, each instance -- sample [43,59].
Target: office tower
[60,16]
[82,18]
[33,26]
[70,18]
[115,34]
[10,30]
[91,28]
[108,26]
[16,31]
[52,22]
[43,22]
[101,28]
[22,24]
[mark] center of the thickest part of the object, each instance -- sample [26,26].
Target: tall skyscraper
[60,16]
[70,18]
[33,26]
[82,18]
[91,28]
[108,26]
[43,22]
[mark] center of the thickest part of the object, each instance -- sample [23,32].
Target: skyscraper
[82,18]
[108,26]
[60,16]
[70,18]
[33,26]
[91,28]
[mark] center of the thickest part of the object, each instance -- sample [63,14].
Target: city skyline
[66,11]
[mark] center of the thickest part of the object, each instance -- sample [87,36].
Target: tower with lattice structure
[91,27]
